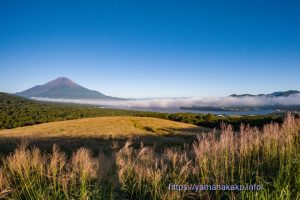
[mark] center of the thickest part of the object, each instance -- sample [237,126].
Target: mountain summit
[61,81]
[62,88]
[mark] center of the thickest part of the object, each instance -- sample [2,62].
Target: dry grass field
[104,127]
[268,158]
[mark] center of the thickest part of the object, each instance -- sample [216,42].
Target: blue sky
[152,48]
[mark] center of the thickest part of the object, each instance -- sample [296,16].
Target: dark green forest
[17,111]
[214,121]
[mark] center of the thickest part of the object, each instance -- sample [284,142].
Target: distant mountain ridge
[62,88]
[274,94]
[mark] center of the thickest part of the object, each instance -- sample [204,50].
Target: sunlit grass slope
[104,127]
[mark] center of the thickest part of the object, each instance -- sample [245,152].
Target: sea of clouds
[187,102]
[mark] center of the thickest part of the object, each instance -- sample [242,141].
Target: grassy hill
[98,134]
[103,127]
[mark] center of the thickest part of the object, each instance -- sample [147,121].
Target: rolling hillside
[103,127]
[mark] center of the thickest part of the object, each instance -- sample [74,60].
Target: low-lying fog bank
[176,103]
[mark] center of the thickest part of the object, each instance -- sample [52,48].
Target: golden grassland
[269,157]
[104,127]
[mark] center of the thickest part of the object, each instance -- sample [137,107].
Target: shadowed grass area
[95,144]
